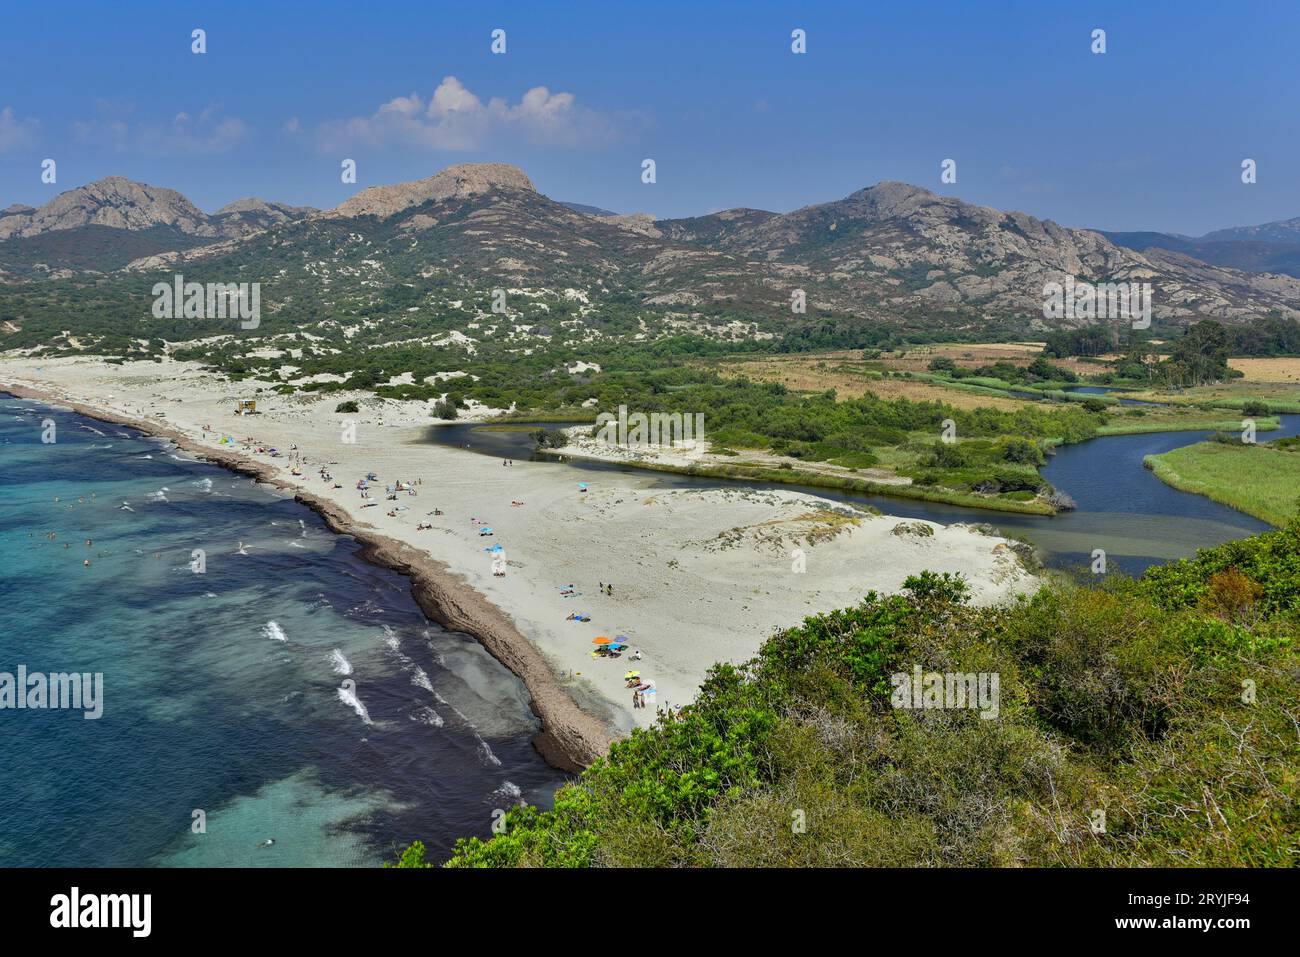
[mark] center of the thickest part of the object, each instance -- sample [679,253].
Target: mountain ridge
[890,251]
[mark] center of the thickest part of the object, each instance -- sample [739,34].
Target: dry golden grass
[847,374]
[918,358]
[850,376]
[1268,370]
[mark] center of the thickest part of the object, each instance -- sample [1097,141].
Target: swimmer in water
[267,843]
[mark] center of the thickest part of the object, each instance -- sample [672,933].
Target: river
[1123,509]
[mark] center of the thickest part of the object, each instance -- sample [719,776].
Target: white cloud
[454,118]
[209,132]
[15,133]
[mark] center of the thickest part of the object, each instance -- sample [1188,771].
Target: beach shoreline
[569,740]
[685,577]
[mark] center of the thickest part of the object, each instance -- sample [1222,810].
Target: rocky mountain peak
[113,201]
[466,179]
[252,204]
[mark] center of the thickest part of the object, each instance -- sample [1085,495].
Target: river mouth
[1123,510]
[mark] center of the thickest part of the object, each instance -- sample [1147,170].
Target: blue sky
[1149,135]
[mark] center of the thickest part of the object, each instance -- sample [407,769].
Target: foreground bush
[1144,723]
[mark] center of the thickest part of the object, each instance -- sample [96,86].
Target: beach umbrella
[582,486]
[632,674]
[601,640]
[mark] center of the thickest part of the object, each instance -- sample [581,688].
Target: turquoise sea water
[289,691]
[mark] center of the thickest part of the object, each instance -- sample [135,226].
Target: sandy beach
[699,575]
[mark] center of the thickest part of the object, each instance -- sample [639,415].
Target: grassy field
[1266,381]
[852,377]
[1255,479]
[1181,420]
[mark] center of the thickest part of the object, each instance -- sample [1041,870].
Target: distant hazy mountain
[588,210]
[891,252]
[1270,248]
[1282,231]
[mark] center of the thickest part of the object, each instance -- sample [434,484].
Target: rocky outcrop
[455,182]
[244,217]
[116,202]
[120,203]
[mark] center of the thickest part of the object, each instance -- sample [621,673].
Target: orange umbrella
[601,640]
